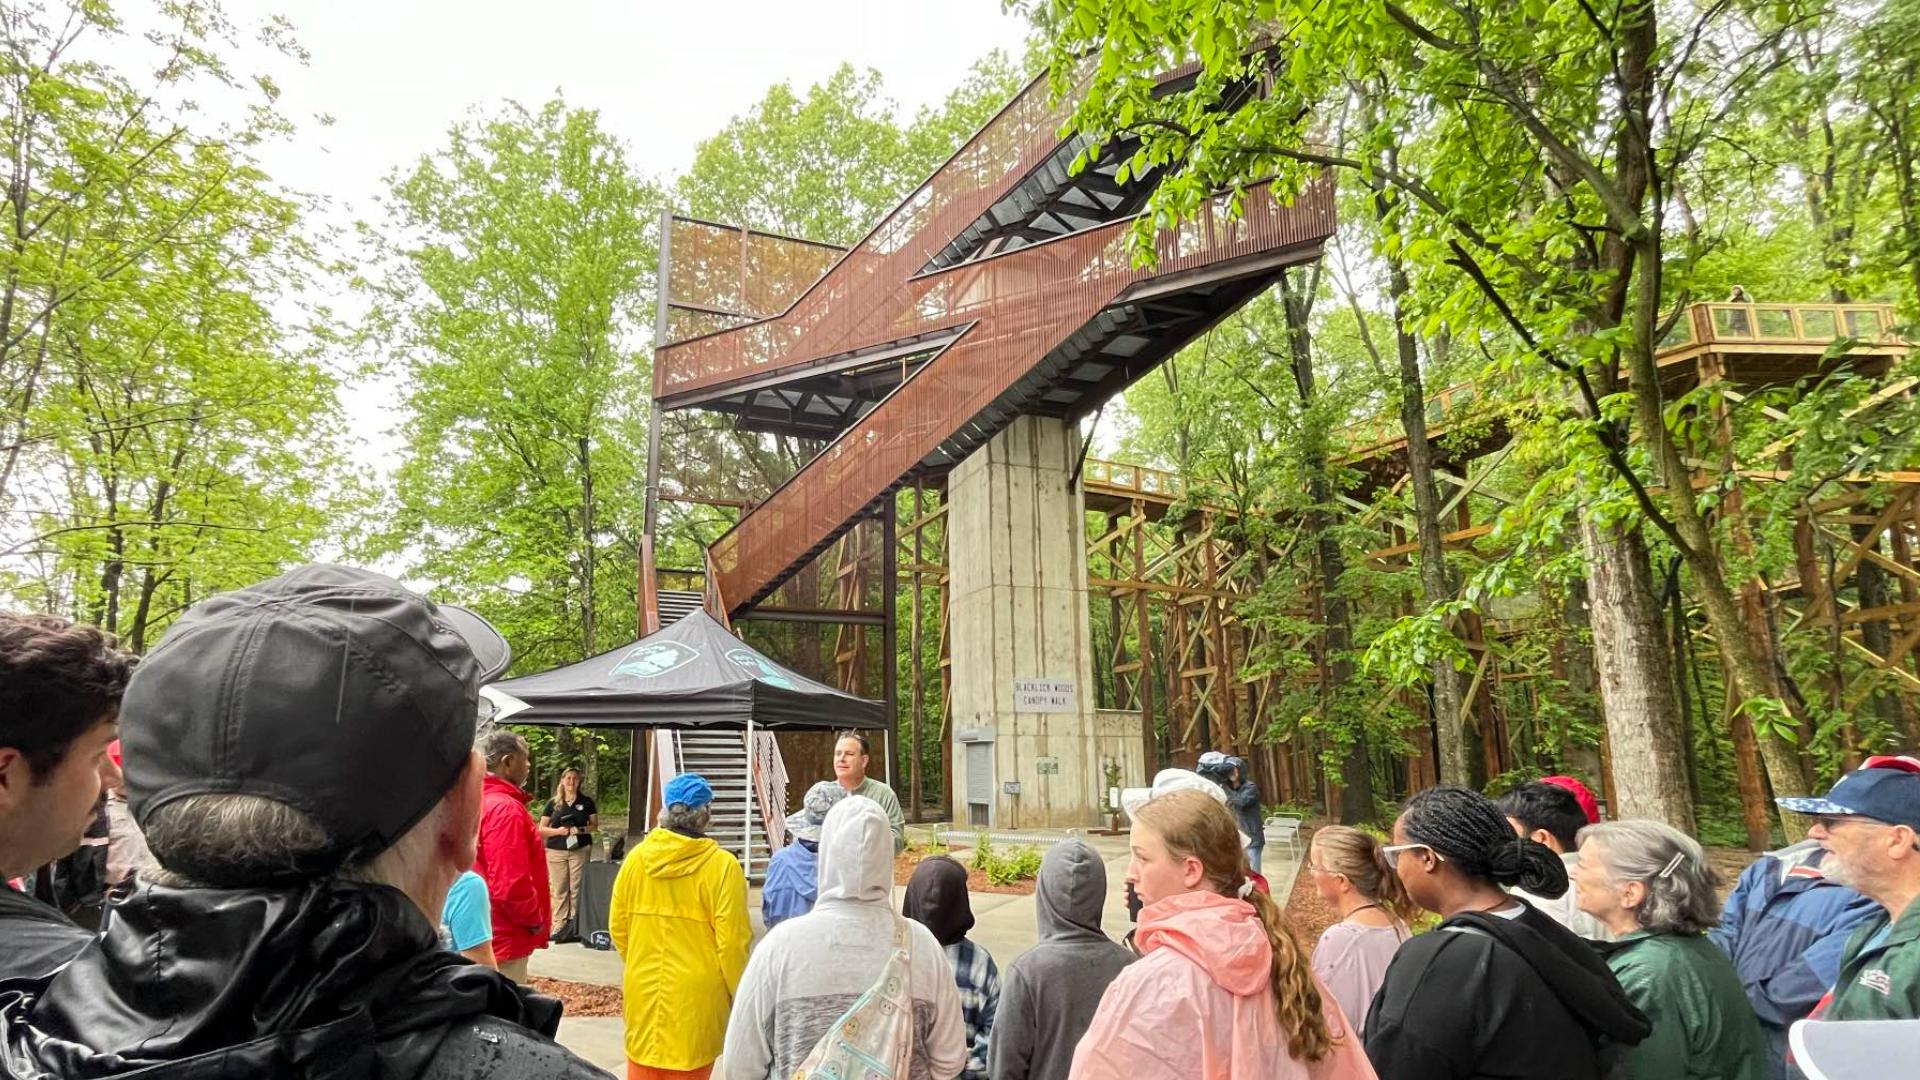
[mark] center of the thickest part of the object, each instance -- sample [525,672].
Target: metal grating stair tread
[721,757]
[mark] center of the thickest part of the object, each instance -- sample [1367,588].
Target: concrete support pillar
[1023,700]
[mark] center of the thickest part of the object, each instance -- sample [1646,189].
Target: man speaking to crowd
[851,759]
[300,756]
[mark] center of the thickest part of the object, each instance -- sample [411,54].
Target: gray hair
[688,819]
[235,841]
[1681,896]
[230,841]
[495,742]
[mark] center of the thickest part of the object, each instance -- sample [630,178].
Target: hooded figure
[1243,799]
[1051,991]
[792,874]
[809,970]
[679,921]
[1203,984]
[937,899]
[1544,998]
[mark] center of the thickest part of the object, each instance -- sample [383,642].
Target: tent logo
[655,658]
[761,669]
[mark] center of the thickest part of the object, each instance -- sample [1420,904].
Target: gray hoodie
[1049,994]
[809,970]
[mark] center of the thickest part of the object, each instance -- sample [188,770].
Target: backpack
[873,1039]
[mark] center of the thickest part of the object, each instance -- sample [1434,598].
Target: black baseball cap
[336,691]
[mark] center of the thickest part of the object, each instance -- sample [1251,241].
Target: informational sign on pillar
[1044,696]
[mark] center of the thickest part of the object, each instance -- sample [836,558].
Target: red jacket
[514,862]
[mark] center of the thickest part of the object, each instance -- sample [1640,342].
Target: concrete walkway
[1004,924]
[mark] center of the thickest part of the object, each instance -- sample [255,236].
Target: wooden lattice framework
[1732,350]
[1168,578]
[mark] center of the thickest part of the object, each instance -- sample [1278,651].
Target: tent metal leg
[746,854]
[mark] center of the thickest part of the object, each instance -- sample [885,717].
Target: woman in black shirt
[568,825]
[1497,989]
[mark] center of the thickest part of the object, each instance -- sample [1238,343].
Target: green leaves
[168,426]
[515,273]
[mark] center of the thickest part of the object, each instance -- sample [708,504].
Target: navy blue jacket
[1784,928]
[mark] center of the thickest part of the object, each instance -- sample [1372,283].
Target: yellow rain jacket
[679,920]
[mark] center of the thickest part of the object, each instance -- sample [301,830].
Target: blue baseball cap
[690,790]
[1886,789]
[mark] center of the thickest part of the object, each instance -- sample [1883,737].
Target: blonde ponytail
[1359,857]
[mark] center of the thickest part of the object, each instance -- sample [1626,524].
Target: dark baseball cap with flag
[336,691]
[1885,788]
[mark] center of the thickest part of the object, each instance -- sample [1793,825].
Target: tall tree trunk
[143,610]
[590,763]
[1636,682]
[1897,118]
[1436,581]
[1356,767]
[588,631]
[1680,639]
[1633,254]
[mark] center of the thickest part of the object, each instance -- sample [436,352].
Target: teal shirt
[1703,1025]
[1880,971]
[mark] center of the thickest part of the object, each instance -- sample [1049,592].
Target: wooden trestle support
[1166,581]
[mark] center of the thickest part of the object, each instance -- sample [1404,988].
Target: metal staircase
[1049,330]
[721,757]
[676,604]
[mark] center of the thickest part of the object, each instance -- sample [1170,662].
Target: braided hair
[1468,830]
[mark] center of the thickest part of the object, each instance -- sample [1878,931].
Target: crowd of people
[339,873]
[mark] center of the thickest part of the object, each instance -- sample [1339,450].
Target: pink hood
[1197,1005]
[1223,936]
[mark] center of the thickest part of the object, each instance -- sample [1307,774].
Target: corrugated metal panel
[980,773]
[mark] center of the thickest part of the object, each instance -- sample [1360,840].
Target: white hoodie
[809,970]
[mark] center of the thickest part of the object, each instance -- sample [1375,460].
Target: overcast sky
[394,75]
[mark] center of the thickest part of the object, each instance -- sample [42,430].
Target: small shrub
[982,853]
[1020,864]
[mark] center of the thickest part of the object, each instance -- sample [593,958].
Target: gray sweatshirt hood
[856,853]
[1070,893]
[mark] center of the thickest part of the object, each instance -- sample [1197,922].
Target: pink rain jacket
[1198,1005]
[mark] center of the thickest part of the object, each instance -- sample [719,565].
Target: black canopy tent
[693,674]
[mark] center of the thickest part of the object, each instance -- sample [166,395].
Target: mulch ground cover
[581,999]
[904,863]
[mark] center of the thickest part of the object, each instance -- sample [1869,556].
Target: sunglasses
[1392,851]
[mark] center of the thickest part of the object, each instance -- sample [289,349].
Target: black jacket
[35,940]
[1482,996]
[329,980]
[1243,800]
